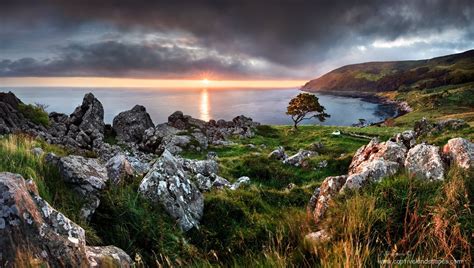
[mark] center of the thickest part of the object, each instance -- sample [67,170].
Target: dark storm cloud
[284,35]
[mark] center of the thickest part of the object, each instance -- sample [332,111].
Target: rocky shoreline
[402,106]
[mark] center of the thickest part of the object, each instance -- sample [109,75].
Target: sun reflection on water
[204,107]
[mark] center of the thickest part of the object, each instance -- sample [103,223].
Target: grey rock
[407,138]
[298,158]
[204,183]
[87,177]
[424,161]
[374,150]
[119,169]
[221,183]
[130,125]
[108,256]
[167,183]
[321,197]
[31,228]
[240,181]
[373,171]
[37,151]
[461,152]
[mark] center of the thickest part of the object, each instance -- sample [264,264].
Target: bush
[35,113]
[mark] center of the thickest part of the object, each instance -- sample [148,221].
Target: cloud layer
[229,39]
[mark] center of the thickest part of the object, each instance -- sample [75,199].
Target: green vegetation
[397,75]
[35,113]
[264,224]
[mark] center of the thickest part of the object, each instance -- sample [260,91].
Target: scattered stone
[278,154]
[373,171]
[220,183]
[167,183]
[37,151]
[461,152]
[322,164]
[298,158]
[407,138]
[424,161]
[212,156]
[131,125]
[240,181]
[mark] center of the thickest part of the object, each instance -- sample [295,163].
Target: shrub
[35,113]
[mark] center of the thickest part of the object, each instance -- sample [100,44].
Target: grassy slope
[260,225]
[397,75]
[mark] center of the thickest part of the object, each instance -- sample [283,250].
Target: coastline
[402,106]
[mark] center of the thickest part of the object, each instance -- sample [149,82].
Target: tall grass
[16,157]
[401,219]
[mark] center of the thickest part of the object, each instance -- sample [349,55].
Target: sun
[205,81]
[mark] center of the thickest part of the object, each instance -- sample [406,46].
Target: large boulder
[167,183]
[11,119]
[424,161]
[32,233]
[89,116]
[131,125]
[461,152]
[87,177]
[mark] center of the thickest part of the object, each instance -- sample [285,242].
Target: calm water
[267,106]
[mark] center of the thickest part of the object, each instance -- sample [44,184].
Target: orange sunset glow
[135,82]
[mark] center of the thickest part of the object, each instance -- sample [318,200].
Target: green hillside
[373,77]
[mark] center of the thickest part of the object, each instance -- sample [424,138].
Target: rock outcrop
[321,197]
[34,233]
[130,125]
[168,184]
[12,120]
[87,177]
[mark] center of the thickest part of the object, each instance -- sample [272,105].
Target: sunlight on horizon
[135,82]
[204,107]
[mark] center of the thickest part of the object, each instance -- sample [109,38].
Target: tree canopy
[306,106]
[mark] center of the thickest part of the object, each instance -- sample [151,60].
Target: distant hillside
[397,75]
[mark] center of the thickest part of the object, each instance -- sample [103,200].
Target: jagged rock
[407,138]
[461,152]
[240,181]
[424,127]
[167,183]
[89,117]
[87,177]
[119,169]
[52,159]
[372,171]
[374,150]
[33,232]
[11,119]
[108,256]
[153,137]
[178,120]
[278,154]
[131,125]
[321,197]
[298,158]
[424,161]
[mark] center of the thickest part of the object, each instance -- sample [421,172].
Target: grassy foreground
[264,224]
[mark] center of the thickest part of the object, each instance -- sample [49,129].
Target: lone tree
[305,106]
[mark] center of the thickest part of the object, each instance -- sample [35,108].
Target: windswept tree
[305,106]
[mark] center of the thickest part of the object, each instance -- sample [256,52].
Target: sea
[264,105]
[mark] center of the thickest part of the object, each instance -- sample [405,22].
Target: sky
[61,42]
